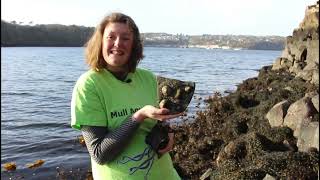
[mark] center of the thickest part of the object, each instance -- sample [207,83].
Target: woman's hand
[169,145]
[149,111]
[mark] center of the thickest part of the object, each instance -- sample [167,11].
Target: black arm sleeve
[104,145]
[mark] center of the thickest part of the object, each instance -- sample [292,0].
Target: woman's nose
[117,42]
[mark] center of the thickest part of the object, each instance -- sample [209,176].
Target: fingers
[171,116]
[161,111]
[177,115]
[156,113]
[165,117]
[149,111]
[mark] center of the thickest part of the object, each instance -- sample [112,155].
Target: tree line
[44,35]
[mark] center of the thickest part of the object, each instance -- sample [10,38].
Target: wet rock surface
[174,95]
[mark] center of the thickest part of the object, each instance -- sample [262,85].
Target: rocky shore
[268,128]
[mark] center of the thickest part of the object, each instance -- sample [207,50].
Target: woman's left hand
[169,146]
[152,112]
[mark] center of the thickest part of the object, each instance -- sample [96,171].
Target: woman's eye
[109,37]
[125,38]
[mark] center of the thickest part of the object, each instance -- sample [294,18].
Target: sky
[191,17]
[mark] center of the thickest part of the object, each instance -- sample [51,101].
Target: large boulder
[299,112]
[277,113]
[309,134]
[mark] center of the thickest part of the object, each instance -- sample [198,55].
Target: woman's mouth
[117,52]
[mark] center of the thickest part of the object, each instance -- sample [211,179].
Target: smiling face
[117,46]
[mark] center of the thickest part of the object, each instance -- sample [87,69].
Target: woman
[114,104]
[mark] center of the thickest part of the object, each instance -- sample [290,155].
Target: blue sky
[192,17]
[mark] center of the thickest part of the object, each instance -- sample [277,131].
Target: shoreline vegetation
[15,34]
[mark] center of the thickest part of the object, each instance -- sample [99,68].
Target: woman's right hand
[152,112]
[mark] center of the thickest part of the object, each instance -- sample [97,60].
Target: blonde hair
[93,51]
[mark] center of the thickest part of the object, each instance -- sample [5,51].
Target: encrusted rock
[315,77]
[178,94]
[311,66]
[296,68]
[187,89]
[316,139]
[307,135]
[301,53]
[305,75]
[174,95]
[269,177]
[206,174]
[299,111]
[166,90]
[163,103]
[277,113]
[277,64]
[301,126]
[315,101]
[311,18]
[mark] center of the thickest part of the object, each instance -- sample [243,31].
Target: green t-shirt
[99,99]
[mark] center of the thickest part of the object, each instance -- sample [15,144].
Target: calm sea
[36,86]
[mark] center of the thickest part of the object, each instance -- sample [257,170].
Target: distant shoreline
[234,49]
[56,35]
